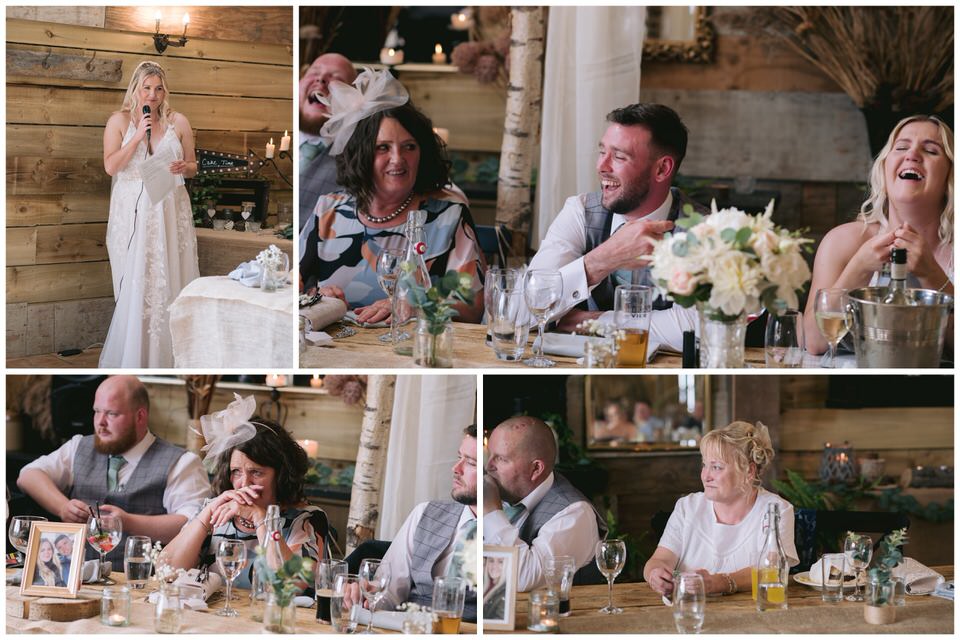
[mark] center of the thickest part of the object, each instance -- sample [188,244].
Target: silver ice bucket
[899,336]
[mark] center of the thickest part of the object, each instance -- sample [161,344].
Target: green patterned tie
[513,512]
[466,532]
[310,150]
[115,463]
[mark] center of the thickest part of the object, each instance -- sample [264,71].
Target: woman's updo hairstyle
[741,444]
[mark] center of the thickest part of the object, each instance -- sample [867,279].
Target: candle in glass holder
[285,142]
[115,606]
[391,56]
[444,134]
[270,148]
[439,57]
[312,447]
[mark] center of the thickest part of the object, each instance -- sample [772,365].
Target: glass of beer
[327,571]
[448,597]
[632,307]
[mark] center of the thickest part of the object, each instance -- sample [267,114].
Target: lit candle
[460,21]
[270,148]
[285,141]
[157,17]
[312,447]
[117,619]
[276,379]
[186,21]
[391,56]
[443,134]
[316,381]
[439,57]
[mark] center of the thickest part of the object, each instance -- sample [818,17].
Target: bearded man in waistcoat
[151,485]
[527,505]
[598,239]
[431,541]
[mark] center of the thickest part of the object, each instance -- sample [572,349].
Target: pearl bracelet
[731,583]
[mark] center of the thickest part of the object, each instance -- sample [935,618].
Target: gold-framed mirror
[646,413]
[679,34]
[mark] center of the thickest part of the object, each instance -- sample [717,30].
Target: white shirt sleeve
[187,486]
[563,249]
[572,532]
[58,465]
[786,533]
[397,558]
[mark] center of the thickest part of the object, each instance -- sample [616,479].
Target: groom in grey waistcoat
[122,470]
[528,505]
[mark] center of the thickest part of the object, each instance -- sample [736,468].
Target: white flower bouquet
[272,258]
[731,262]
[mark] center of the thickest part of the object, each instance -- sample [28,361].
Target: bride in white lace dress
[152,246]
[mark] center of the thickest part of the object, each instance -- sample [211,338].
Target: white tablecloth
[218,322]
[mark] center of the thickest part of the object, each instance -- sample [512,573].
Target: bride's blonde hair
[131,100]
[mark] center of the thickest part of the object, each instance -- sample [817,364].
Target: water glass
[544,614]
[507,322]
[783,341]
[610,556]
[503,278]
[558,573]
[689,602]
[327,572]
[449,594]
[831,566]
[632,308]
[340,616]
[136,560]
[19,533]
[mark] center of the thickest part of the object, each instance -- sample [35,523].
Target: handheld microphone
[146,112]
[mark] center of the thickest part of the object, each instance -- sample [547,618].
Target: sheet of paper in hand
[157,179]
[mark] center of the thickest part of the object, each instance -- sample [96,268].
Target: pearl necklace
[393,215]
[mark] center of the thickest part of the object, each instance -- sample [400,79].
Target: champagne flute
[374,578]
[858,551]
[689,601]
[542,289]
[19,533]
[388,270]
[830,308]
[611,556]
[104,534]
[136,560]
[231,558]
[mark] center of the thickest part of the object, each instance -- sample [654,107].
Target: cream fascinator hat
[371,92]
[228,428]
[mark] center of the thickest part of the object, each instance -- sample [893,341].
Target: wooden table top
[364,350]
[644,612]
[193,621]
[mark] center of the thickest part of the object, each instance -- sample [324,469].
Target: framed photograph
[499,587]
[54,560]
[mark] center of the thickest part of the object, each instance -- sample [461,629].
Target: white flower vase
[721,341]
[270,279]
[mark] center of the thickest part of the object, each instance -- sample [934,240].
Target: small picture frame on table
[499,587]
[54,560]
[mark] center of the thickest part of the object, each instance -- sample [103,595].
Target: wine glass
[388,270]
[611,556]
[689,601]
[833,321]
[231,558]
[542,289]
[19,533]
[858,550]
[104,534]
[136,560]
[374,578]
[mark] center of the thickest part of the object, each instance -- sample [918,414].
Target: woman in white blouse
[719,533]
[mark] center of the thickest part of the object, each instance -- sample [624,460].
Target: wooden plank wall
[67,71]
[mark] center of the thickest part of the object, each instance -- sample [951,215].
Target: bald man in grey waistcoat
[527,505]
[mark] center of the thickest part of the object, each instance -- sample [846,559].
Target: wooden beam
[30,175]
[21,246]
[185,75]
[26,210]
[58,282]
[62,35]
[265,25]
[58,66]
[71,243]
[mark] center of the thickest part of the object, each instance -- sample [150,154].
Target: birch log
[371,459]
[521,131]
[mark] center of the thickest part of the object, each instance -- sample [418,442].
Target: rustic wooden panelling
[221,251]
[263,25]
[808,429]
[44,65]
[31,175]
[71,243]
[56,106]
[70,208]
[61,35]
[86,16]
[214,77]
[79,324]
[21,246]
[55,282]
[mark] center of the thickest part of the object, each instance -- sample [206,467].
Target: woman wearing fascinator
[390,162]
[257,463]
[152,245]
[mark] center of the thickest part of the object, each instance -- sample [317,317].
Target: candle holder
[837,464]
[544,611]
[115,607]
[259,163]
[162,40]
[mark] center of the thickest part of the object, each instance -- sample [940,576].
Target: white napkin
[392,620]
[190,600]
[248,273]
[351,318]
[88,573]
[324,313]
[318,339]
[571,345]
[192,589]
[816,575]
[920,579]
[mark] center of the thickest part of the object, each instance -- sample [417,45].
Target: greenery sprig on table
[292,576]
[436,303]
[888,557]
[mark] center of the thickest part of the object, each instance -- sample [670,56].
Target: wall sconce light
[273,409]
[162,40]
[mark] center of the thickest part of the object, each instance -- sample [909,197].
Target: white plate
[804,578]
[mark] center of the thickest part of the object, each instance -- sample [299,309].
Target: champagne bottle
[772,567]
[897,289]
[413,269]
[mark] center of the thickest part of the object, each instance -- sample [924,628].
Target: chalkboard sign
[219,162]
